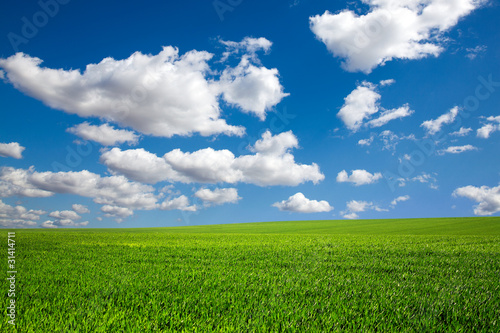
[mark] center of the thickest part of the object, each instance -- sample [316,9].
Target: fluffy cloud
[362,103]
[105,134]
[218,196]
[358,177]
[487,197]
[354,207]
[411,29]
[115,211]
[400,199]
[493,125]
[180,203]
[161,95]
[64,218]
[249,46]
[114,191]
[16,182]
[271,164]
[253,89]
[18,216]
[300,204]
[80,209]
[434,126]
[457,149]
[12,149]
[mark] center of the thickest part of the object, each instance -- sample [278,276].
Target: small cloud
[80,209]
[462,132]
[473,52]
[12,149]
[400,199]
[104,134]
[300,204]
[488,198]
[434,126]
[492,125]
[456,149]
[179,203]
[358,177]
[218,196]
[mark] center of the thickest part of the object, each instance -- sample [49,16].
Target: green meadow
[408,275]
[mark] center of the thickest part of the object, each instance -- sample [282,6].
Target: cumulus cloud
[64,218]
[218,196]
[300,204]
[411,29]
[488,198]
[358,177]
[16,182]
[18,216]
[116,191]
[400,199]
[271,164]
[80,209]
[363,102]
[180,203]
[105,134]
[456,149]
[13,149]
[433,126]
[118,212]
[161,95]
[491,126]
[253,89]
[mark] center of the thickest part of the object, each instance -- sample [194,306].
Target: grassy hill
[415,275]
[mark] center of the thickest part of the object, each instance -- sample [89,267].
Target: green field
[413,275]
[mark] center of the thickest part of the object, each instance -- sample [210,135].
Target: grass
[416,275]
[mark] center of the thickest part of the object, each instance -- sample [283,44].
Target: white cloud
[390,140]
[113,191]
[253,89]
[271,164]
[353,207]
[493,126]
[48,225]
[80,209]
[358,177]
[180,203]
[18,216]
[434,126]
[13,149]
[300,204]
[462,132]
[400,199]
[218,196]
[389,115]
[15,182]
[362,103]
[473,52]
[487,197]
[115,211]
[366,142]
[411,29]
[161,95]
[64,218]
[104,134]
[388,82]
[457,149]
[359,105]
[249,46]
[65,214]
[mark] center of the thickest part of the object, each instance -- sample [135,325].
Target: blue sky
[122,114]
